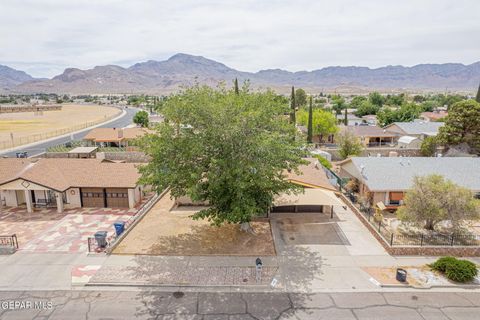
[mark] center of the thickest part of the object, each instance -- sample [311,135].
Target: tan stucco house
[386,179]
[68,183]
[114,137]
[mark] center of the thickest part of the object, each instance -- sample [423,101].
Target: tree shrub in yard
[455,269]
[441,264]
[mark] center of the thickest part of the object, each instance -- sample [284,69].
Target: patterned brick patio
[45,230]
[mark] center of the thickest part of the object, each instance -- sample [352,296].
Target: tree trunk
[245,226]
[429,225]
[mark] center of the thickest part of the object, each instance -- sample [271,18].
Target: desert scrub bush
[441,264]
[455,269]
[461,271]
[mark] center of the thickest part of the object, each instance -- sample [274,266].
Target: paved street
[64,305]
[41,147]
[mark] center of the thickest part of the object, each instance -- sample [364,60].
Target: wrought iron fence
[9,241]
[417,239]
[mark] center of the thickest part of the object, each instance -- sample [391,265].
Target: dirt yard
[25,124]
[172,232]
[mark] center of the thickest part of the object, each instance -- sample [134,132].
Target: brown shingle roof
[115,134]
[61,174]
[311,174]
[368,131]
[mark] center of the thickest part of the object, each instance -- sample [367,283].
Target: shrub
[324,162]
[455,269]
[441,264]
[461,271]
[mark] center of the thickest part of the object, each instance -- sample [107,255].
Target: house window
[396,198]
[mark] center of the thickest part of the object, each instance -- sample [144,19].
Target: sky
[43,37]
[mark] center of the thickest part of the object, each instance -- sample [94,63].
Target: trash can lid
[101,233]
[119,222]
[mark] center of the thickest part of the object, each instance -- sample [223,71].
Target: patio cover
[87,150]
[310,197]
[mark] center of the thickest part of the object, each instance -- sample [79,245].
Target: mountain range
[156,77]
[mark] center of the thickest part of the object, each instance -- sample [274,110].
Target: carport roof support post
[28,200]
[59,197]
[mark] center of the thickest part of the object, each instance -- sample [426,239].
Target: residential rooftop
[115,134]
[368,131]
[397,173]
[417,127]
[311,174]
[61,174]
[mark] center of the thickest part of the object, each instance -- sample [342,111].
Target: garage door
[298,209]
[117,198]
[93,197]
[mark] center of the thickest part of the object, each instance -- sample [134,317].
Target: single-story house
[386,179]
[318,192]
[68,183]
[114,137]
[417,128]
[371,136]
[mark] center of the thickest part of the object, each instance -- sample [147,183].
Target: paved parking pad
[46,230]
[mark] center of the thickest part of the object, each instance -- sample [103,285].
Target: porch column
[131,198]
[28,200]
[59,197]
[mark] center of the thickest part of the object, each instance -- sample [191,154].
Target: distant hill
[10,77]
[183,69]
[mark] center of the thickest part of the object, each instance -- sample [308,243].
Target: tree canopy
[141,118]
[406,113]
[462,125]
[376,99]
[323,122]
[338,104]
[366,107]
[348,144]
[300,98]
[433,199]
[225,148]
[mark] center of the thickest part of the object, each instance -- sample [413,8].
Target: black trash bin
[401,275]
[101,238]
[119,227]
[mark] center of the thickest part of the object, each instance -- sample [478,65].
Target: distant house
[386,179]
[114,137]
[68,183]
[371,136]
[370,119]
[433,116]
[352,119]
[417,128]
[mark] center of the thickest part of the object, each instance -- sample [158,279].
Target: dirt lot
[24,124]
[172,232]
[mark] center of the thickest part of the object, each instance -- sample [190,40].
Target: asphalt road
[41,147]
[118,305]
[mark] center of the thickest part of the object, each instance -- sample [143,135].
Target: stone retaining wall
[459,251]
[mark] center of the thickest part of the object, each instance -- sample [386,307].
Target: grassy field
[25,124]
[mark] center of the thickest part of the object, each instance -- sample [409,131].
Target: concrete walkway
[157,305]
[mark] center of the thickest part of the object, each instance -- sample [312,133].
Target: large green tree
[141,118]
[406,113]
[376,99]
[348,144]
[293,107]
[462,125]
[477,98]
[338,104]
[433,199]
[310,122]
[324,123]
[366,107]
[300,97]
[230,150]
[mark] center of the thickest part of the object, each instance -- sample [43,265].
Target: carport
[310,200]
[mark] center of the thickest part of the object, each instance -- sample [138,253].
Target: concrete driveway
[319,253]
